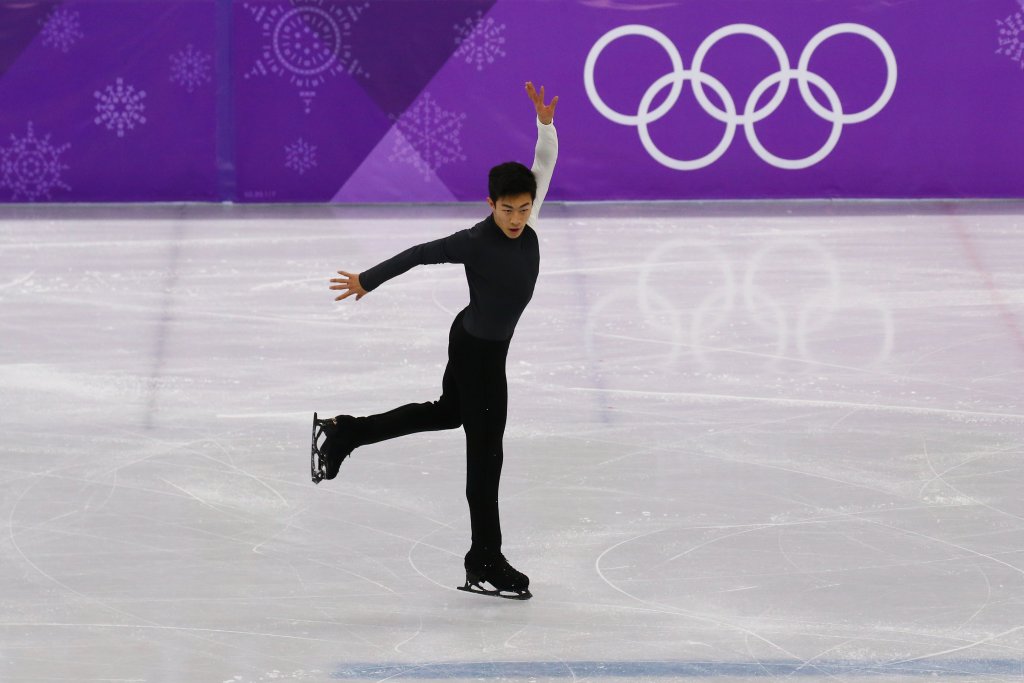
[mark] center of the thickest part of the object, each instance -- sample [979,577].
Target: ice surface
[745,441]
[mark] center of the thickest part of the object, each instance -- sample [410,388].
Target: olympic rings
[751,114]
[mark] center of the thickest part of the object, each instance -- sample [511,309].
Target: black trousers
[474,395]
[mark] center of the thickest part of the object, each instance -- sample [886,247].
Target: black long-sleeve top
[501,271]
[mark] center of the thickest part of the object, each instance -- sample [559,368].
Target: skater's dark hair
[510,179]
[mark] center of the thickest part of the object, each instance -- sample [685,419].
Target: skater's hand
[350,284]
[545,112]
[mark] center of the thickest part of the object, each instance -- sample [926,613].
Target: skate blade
[317,465]
[495,593]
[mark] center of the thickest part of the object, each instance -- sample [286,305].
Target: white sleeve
[544,158]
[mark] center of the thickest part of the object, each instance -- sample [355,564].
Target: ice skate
[338,442]
[494,576]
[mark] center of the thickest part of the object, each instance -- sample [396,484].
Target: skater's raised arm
[546,152]
[456,248]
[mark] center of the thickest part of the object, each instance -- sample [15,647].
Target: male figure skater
[501,257]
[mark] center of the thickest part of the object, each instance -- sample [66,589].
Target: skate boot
[493,569]
[338,442]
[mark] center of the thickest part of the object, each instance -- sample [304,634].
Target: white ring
[890,66]
[681,164]
[608,38]
[833,138]
[698,62]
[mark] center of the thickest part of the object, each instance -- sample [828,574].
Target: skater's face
[511,213]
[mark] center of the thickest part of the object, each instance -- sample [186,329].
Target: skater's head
[511,190]
[511,178]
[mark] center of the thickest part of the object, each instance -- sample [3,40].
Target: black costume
[502,273]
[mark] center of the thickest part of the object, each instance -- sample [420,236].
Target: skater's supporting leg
[495,576]
[483,394]
[483,398]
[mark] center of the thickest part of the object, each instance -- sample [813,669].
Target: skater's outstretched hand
[349,282]
[545,112]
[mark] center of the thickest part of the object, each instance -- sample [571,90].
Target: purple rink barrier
[413,100]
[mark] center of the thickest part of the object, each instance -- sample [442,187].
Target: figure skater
[501,257]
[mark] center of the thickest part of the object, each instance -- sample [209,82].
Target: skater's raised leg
[335,439]
[332,443]
[412,417]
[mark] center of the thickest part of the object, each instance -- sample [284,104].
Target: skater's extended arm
[349,283]
[456,248]
[546,153]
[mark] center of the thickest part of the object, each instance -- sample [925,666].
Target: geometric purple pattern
[405,100]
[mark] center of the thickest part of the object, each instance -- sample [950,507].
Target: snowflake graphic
[190,68]
[479,40]
[307,42]
[62,30]
[300,156]
[430,137]
[1011,37]
[120,107]
[32,166]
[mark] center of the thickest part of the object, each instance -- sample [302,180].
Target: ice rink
[745,441]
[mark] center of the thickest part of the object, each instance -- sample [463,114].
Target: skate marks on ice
[771,343]
[730,590]
[790,448]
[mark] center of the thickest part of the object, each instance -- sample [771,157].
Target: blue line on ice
[678,669]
